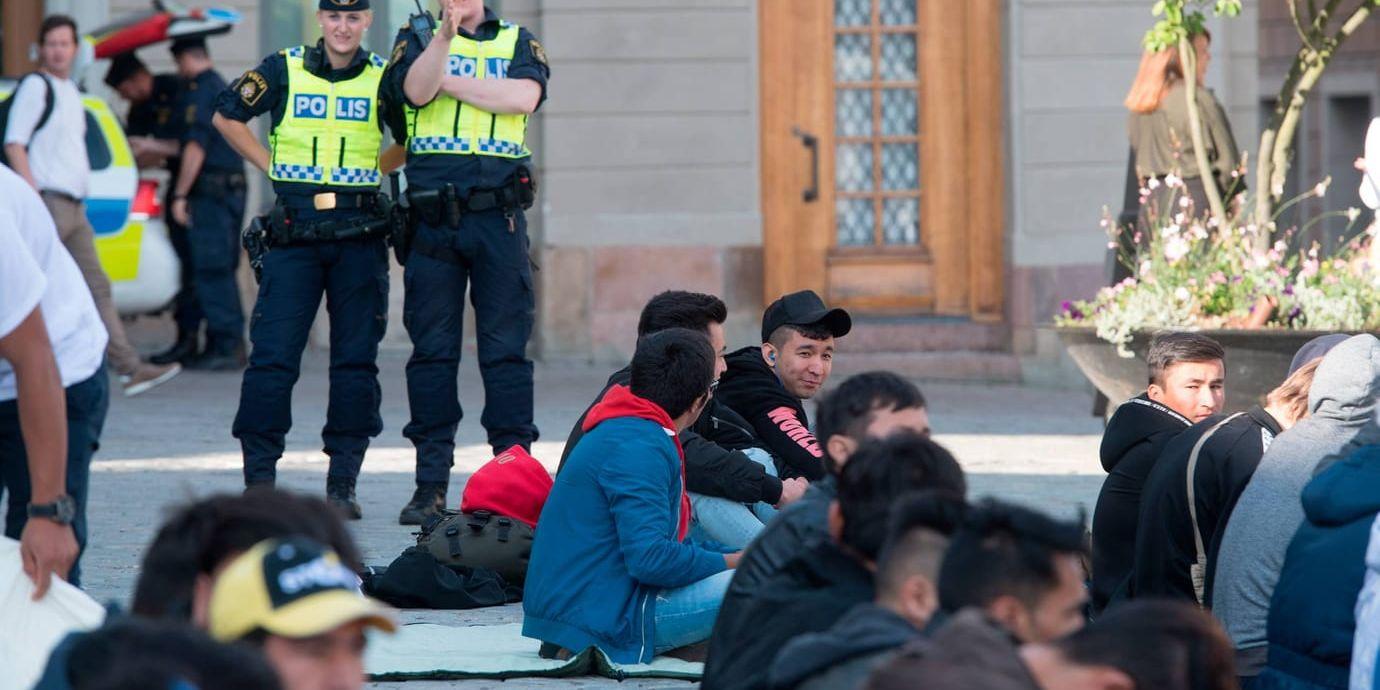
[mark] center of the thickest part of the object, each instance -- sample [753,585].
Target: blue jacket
[1312,614]
[607,541]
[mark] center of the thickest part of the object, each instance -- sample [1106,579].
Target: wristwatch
[62,511]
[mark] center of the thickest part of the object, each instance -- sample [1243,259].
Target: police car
[126,214]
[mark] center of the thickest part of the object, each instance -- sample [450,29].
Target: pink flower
[1310,268]
[1182,294]
[1175,249]
[1217,278]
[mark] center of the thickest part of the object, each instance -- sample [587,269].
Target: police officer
[155,127]
[469,90]
[209,200]
[326,235]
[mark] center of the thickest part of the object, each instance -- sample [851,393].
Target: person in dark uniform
[469,91]
[209,200]
[326,235]
[155,126]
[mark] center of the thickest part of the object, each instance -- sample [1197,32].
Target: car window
[97,148]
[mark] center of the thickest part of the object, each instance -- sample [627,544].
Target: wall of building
[1069,65]
[650,180]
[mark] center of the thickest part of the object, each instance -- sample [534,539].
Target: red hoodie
[619,402]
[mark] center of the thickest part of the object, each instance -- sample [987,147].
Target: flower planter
[1257,361]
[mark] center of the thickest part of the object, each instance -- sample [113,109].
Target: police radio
[423,24]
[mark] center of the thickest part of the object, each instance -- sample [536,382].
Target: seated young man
[1186,375]
[1021,568]
[301,606]
[724,476]
[815,589]
[907,598]
[1145,644]
[611,567]
[871,405]
[766,384]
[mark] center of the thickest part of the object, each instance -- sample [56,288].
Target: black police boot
[181,352]
[219,358]
[257,487]
[429,499]
[340,492]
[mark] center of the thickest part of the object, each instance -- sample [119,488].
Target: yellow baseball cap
[291,588]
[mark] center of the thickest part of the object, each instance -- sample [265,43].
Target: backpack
[49,101]
[479,540]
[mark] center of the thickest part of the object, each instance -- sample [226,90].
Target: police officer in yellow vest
[326,234]
[469,88]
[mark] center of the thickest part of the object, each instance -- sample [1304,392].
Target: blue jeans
[87,402]
[488,258]
[353,275]
[214,241]
[685,615]
[732,524]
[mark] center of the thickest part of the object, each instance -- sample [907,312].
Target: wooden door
[881,169]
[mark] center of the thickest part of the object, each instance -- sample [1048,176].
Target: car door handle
[811,142]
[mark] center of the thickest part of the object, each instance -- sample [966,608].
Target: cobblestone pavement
[165,447]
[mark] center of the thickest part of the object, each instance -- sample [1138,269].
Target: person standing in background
[51,156]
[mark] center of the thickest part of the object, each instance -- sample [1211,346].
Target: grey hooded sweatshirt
[1342,409]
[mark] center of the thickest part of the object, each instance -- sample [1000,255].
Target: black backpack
[49,101]
[479,540]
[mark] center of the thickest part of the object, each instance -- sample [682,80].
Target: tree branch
[1189,59]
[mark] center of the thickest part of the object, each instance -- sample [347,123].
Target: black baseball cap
[804,308]
[182,45]
[122,67]
[343,5]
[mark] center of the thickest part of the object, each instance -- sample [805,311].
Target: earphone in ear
[771,357]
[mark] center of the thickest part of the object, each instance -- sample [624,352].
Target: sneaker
[341,494]
[148,376]
[429,499]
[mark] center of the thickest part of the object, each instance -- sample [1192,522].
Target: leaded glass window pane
[900,116]
[898,12]
[853,113]
[852,57]
[898,57]
[849,13]
[856,219]
[900,167]
[853,168]
[901,221]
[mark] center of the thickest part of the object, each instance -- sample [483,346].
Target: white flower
[1182,294]
[1171,180]
[1171,230]
[1261,261]
[1352,214]
[1175,249]
[1145,267]
[1320,189]
[1280,246]
[1153,183]
[1185,202]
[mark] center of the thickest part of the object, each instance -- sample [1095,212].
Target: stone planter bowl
[1257,361]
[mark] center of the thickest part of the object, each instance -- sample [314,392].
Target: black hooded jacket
[712,468]
[751,389]
[810,594]
[1165,549]
[841,657]
[1131,444]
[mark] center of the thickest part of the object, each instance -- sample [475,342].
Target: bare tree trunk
[1277,141]
[1188,57]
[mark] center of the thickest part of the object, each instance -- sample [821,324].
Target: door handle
[811,142]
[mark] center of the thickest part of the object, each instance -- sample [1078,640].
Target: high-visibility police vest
[448,126]
[329,133]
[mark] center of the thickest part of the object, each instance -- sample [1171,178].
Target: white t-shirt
[57,153]
[36,270]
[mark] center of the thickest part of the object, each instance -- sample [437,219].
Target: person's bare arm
[502,96]
[192,158]
[242,139]
[150,152]
[46,547]
[18,155]
[392,158]
[423,79]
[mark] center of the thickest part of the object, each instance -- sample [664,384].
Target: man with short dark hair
[1186,384]
[1145,644]
[726,475]
[50,154]
[611,567]
[1022,568]
[295,600]
[766,384]
[871,405]
[813,590]
[180,564]
[907,598]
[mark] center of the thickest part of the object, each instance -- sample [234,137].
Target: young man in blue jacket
[611,567]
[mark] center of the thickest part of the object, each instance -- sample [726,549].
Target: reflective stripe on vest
[448,126]
[329,133]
